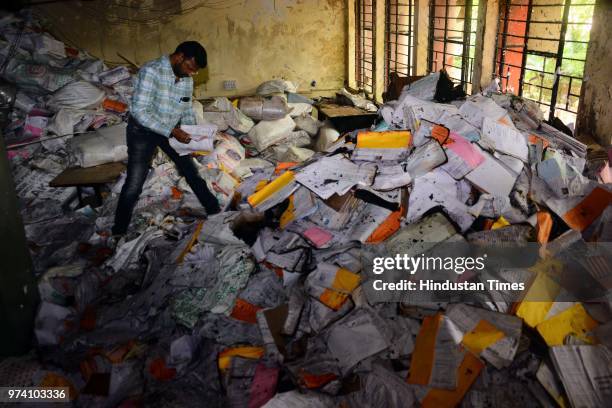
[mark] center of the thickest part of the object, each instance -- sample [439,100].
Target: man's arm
[143,98]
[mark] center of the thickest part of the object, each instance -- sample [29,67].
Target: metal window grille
[399,38]
[541,51]
[365,42]
[452,38]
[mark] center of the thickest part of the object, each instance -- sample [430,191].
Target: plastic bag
[297,138]
[50,324]
[198,111]
[77,95]
[268,133]
[238,121]
[7,94]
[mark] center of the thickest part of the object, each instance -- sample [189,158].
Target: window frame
[368,84]
[502,49]
[394,60]
[469,29]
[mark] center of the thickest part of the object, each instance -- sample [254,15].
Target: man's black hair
[193,49]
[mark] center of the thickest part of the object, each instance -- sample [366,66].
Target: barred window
[399,38]
[541,51]
[365,36]
[452,38]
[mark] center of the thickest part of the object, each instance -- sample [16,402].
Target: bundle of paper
[559,138]
[554,320]
[463,156]
[438,189]
[425,158]
[274,192]
[490,335]
[439,364]
[492,177]
[504,139]
[425,111]
[579,211]
[391,177]
[331,285]
[366,220]
[301,205]
[382,146]
[355,338]
[586,373]
[478,108]
[335,175]
[202,139]
[334,213]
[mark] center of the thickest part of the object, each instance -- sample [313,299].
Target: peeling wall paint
[595,112]
[248,41]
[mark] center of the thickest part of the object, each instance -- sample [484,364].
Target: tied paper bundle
[202,138]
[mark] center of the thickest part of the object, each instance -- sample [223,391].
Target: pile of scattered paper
[264,305]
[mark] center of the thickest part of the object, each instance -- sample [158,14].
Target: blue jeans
[141,144]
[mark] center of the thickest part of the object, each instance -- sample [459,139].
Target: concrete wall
[595,112]
[249,41]
[486,32]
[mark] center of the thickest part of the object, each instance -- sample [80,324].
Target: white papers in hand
[202,138]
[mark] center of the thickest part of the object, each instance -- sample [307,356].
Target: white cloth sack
[106,145]
[269,132]
[276,86]
[77,95]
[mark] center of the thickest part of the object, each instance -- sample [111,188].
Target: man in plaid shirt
[160,104]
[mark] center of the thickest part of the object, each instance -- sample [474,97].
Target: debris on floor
[263,305]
